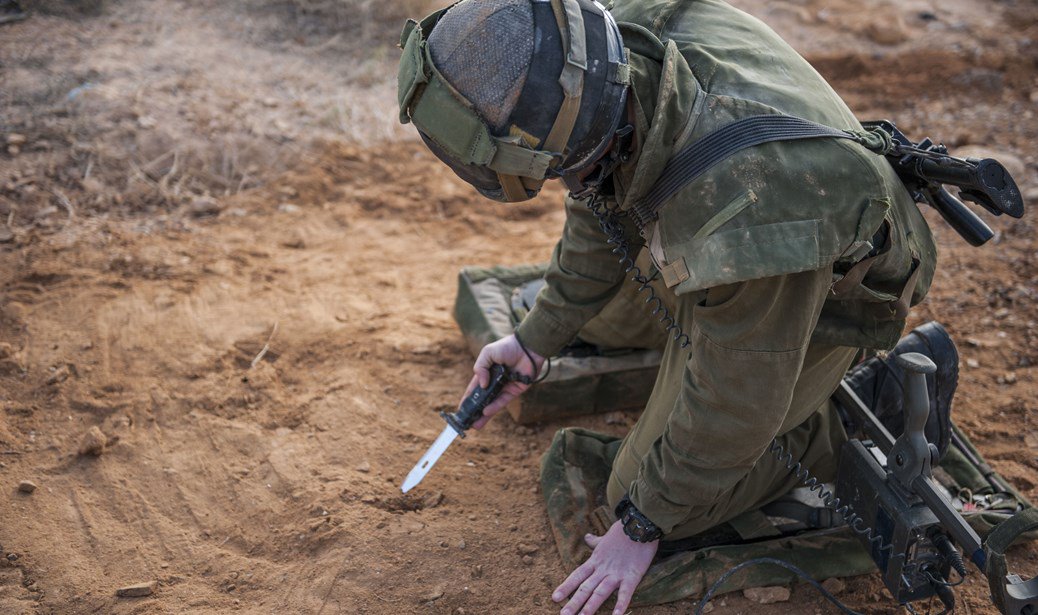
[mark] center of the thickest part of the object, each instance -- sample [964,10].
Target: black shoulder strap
[697,157]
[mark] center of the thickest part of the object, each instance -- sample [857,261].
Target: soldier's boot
[879,383]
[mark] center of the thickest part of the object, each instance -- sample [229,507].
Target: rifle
[925,167]
[905,520]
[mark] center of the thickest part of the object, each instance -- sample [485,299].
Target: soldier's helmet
[509,93]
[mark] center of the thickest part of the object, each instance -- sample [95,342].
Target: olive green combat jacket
[757,249]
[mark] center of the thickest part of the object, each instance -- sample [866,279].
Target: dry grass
[212,100]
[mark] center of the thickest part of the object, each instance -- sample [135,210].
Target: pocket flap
[747,253]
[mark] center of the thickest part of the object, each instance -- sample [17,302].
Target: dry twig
[266,347]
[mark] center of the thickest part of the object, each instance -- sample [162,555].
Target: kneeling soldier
[778,265]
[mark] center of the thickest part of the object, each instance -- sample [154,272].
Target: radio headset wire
[613,228]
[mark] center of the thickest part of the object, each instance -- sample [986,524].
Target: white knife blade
[429,459]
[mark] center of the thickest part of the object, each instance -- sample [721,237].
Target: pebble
[433,594]
[61,374]
[767,595]
[888,31]
[12,557]
[461,544]
[527,560]
[16,139]
[205,206]
[477,572]
[709,608]
[137,590]
[6,234]
[26,486]
[834,586]
[364,467]
[93,442]
[433,500]
[526,549]
[972,363]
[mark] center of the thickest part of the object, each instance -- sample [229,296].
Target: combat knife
[458,422]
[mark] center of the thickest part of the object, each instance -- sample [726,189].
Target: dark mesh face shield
[509,93]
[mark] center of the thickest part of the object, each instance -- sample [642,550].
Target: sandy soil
[186,184]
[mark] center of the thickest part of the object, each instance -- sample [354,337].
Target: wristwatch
[637,526]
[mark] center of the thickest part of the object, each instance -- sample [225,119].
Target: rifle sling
[699,156]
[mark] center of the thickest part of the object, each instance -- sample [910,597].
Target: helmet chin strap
[602,168]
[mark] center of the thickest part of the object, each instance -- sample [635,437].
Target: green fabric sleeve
[748,343]
[582,277]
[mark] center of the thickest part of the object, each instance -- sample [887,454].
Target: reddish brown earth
[188,183]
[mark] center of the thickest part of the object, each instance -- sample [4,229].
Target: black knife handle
[471,409]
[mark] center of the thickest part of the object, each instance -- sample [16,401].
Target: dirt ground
[218,249]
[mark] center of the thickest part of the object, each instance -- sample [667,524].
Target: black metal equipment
[925,166]
[903,517]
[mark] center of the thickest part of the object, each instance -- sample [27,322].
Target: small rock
[295,240]
[1031,439]
[477,572]
[709,608]
[443,544]
[834,586]
[526,549]
[14,150]
[433,500]
[888,31]
[1010,378]
[16,139]
[433,594]
[26,486]
[369,499]
[93,185]
[459,611]
[527,560]
[12,557]
[137,590]
[972,363]
[461,544]
[288,208]
[364,467]
[6,234]
[472,517]
[766,595]
[93,442]
[205,206]
[60,375]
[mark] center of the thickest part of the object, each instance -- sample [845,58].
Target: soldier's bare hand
[617,564]
[508,352]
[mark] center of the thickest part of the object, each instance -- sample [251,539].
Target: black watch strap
[637,526]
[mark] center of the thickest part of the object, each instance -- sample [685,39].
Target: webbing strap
[700,155]
[1012,598]
[571,28]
